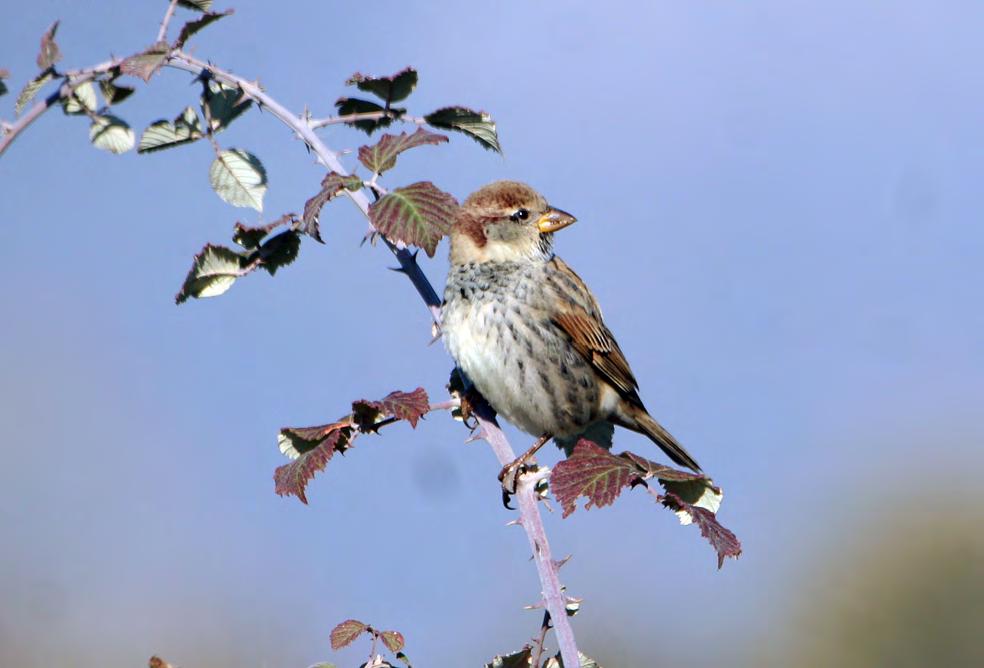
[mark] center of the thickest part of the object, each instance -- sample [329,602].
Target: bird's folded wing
[596,344]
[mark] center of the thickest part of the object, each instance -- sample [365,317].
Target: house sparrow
[526,330]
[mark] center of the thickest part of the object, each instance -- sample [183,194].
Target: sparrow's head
[505,221]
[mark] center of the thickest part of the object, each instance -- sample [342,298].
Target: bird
[527,332]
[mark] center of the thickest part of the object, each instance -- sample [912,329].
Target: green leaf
[224,104]
[191,27]
[50,53]
[114,94]
[389,89]
[31,89]
[83,100]
[147,63]
[111,133]
[162,134]
[382,156]
[331,186]
[353,105]
[4,74]
[476,124]
[239,178]
[521,659]
[213,272]
[197,5]
[419,214]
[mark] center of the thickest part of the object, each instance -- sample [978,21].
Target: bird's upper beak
[553,220]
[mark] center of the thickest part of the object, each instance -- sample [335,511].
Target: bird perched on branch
[526,330]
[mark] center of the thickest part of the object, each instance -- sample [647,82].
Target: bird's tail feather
[658,434]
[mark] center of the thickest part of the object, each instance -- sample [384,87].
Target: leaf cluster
[311,448]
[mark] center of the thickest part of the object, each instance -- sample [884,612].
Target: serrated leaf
[296,441]
[191,27]
[476,124]
[389,89]
[345,633]
[162,134]
[724,542]
[224,104]
[419,214]
[592,472]
[110,133]
[82,100]
[196,5]
[31,89]
[279,251]
[409,406]
[382,156]
[239,178]
[212,273]
[521,659]
[147,63]
[292,479]
[50,53]
[353,105]
[331,186]
[393,640]
[114,94]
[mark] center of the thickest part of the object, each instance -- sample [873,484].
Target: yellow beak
[553,220]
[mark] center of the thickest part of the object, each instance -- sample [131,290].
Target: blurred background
[780,210]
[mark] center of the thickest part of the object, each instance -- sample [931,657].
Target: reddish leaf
[593,472]
[292,478]
[343,634]
[389,89]
[724,542]
[392,639]
[382,156]
[651,469]
[409,406]
[331,186]
[146,64]
[419,214]
[50,53]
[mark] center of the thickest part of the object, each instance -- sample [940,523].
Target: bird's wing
[580,319]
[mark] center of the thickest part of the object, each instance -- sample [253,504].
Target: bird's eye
[522,214]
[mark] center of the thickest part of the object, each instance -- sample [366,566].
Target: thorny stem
[532,523]
[529,510]
[162,33]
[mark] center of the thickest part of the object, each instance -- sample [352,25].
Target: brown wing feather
[580,319]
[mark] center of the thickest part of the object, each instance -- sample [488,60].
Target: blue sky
[779,210]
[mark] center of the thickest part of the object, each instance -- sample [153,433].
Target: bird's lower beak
[553,220]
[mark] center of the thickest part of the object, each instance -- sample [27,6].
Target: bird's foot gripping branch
[415,215]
